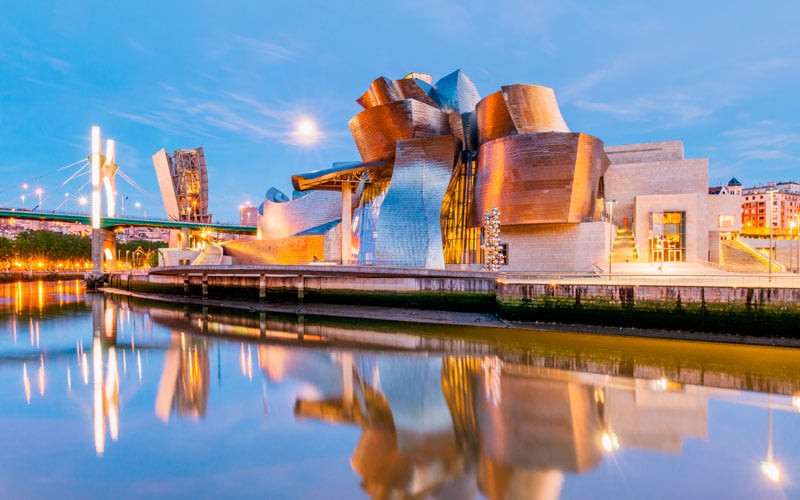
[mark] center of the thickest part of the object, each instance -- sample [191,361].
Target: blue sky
[234,77]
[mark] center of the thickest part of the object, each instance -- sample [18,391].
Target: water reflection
[435,412]
[183,388]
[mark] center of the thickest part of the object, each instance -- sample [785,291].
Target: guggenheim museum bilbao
[435,157]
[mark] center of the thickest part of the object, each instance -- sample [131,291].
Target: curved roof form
[518,109]
[457,92]
[331,179]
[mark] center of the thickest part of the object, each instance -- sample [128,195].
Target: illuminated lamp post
[82,201]
[22,197]
[39,194]
[610,209]
[769,211]
[792,225]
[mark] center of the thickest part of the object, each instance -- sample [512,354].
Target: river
[112,397]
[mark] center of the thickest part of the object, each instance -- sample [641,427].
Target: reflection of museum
[435,157]
[456,426]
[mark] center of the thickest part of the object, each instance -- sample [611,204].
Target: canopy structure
[350,172]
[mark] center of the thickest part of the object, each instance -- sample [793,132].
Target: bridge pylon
[104,170]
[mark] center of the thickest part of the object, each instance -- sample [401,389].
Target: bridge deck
[119,222]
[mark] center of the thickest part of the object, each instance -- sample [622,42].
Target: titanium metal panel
[533,109]
[376,130]
[161,162]
[283,219]
[549,177]
[409,224]
[410,88]
[492,118]
[457,92]
[381,91]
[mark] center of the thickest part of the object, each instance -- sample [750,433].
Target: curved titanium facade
[376,130]
[457,92]
[409,223]
[518,109]
[539,178]
[381,91]
[533,109]
[284,219]
[434,159]
[492,118]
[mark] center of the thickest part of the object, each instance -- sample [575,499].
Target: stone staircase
[213,255]
[624,249]
[736,256]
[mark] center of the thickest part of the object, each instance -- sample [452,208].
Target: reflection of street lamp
[768,466]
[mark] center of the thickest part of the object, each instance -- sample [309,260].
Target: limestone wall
[557,247]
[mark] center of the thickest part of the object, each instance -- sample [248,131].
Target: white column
[95,159]
[347,222]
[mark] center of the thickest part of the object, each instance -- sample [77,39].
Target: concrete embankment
[12,276]
[760,311]
[409,288]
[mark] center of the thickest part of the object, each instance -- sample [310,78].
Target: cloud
[593,79]
[670,108]
[266,51]
[207,116]
[765,140]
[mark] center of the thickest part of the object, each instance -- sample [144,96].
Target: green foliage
[51,246]
[6,249]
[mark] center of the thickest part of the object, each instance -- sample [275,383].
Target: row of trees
[46,249]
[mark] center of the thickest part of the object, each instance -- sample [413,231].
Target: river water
[108,397]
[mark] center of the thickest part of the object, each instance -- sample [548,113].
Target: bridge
[112,223]
[101,168]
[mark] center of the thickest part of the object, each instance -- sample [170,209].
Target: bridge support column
[104,250]
[184,238]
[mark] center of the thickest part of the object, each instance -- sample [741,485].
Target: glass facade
[667,236]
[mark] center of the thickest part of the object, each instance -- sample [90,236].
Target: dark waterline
[111,397]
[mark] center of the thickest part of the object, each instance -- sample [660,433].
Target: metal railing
[728,280]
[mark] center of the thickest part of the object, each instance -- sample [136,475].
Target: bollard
[300,290]
[262,287]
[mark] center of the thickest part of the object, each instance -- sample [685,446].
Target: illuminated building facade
[183,180]
[775,204]
[434,158]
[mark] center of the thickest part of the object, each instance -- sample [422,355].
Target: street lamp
[792,225]
[39,194]
[82,201]
[22,197]
[610,209]
[138,207]
[769,211]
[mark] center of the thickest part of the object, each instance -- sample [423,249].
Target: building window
[726,221]
[504,253]
[667,236]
